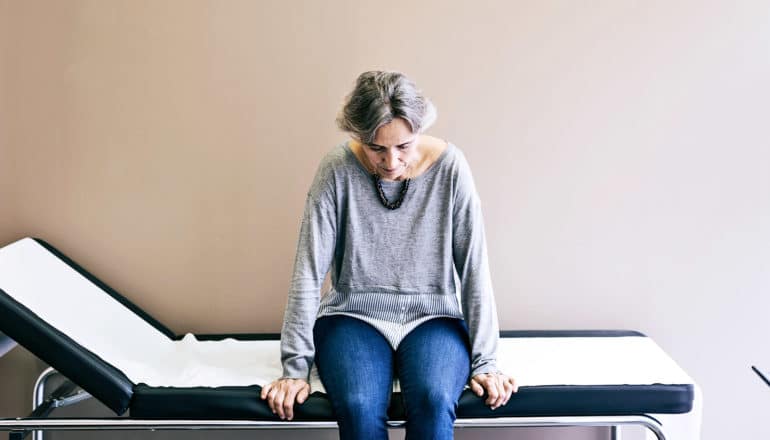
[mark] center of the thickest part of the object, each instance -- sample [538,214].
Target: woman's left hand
[498,387]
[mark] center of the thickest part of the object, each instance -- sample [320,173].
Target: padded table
[132,363]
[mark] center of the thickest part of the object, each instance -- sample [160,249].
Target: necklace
[384,199]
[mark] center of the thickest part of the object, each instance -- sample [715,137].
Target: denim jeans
[357,365]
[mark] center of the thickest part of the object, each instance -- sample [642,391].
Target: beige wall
[7,189]
[620,149]
[18,369]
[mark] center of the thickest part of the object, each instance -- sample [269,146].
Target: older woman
[392,213]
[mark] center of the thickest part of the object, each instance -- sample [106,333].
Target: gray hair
[379,97]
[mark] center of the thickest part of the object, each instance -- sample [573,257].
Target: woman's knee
[430,400]
[361,417]
[360,406]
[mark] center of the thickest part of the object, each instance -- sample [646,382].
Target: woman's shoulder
[335,160]
[455,168]
[337,156]
[333,166]
[448,155]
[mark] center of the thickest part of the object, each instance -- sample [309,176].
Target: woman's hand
[282,393]
[498,387]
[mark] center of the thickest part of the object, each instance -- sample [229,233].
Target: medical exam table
[108,348]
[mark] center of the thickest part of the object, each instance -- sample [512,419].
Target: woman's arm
[315,249]
[469,249]
[470,258]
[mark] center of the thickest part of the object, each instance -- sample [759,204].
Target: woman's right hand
[282,393]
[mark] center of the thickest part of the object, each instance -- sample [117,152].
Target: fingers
[275,401]
[510,388]
[476,387]
[494,393]
[486,383]
[303,393]
[282,394]
[498,387]
[507,389]
[288,403]
[265,390]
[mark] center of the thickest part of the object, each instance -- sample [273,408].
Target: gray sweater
[391,268]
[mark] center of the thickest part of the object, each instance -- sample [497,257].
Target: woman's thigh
[433,360]
[354,361]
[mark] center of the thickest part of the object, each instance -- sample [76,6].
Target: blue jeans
[357,365]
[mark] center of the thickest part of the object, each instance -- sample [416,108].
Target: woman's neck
[429,149]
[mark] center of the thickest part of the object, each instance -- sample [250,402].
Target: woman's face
[393,150]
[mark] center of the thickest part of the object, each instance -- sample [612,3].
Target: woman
[393,213]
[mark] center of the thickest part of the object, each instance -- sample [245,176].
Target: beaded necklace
[378,186]
[384,199]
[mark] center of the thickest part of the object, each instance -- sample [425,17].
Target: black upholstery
[86,369]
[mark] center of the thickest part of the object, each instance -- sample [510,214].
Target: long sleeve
[469,251]
[315,248]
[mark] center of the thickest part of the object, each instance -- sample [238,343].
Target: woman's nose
[391,159]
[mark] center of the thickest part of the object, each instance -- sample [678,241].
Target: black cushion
[89,371]
[244,402]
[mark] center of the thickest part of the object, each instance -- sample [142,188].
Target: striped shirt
[394,269]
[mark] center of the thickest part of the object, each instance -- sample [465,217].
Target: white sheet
[68,301]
